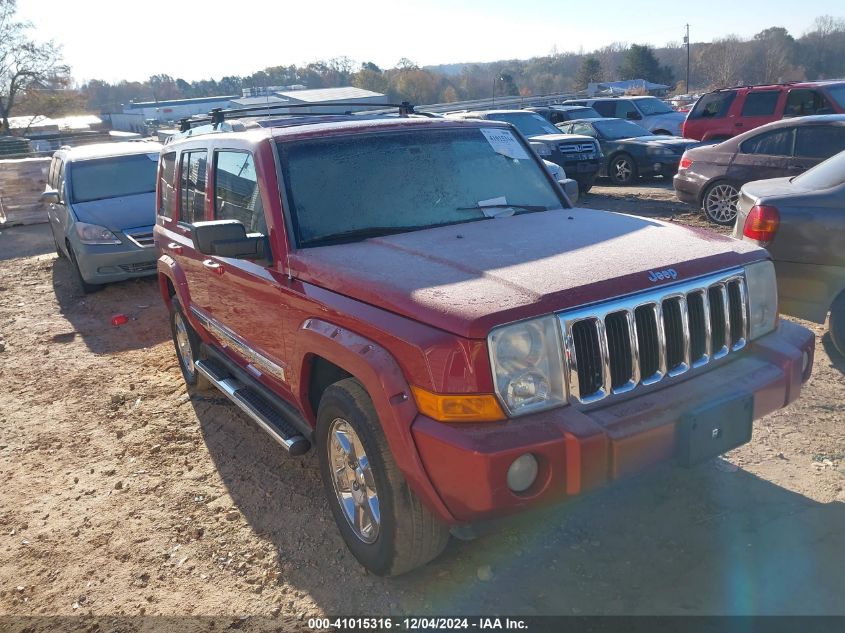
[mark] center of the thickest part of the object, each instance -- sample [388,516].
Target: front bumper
[105,263]
[580,450]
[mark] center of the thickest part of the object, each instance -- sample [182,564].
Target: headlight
[762,298]
[93,234]
[542,149]
[527,365]
[659,151]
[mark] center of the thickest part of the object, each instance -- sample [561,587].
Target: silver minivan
[101,206]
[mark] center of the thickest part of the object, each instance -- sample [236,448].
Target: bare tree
[723,61]
[23,62]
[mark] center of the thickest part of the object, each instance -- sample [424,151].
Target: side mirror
[51,196]
[633,116]
[570,187]
[228,238]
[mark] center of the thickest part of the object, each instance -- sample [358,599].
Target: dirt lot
[122,494]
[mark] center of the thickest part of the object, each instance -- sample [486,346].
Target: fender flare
[169,270]
[388,389]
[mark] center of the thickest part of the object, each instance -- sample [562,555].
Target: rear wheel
[187,344]
[622,170]
[837,323]
[719,203]
[383,523]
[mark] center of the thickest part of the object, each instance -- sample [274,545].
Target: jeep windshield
[349,188]
[113,177]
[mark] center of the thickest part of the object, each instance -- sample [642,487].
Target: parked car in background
[801,221]
[455,340]
[710,176]
[630,150]
[561,113]
[724,113]
[101,207]
[650,112]
[580,156]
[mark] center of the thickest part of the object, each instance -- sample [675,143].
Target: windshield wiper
[525,207]
[359,234]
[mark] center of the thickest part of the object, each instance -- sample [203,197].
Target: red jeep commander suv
[417,300]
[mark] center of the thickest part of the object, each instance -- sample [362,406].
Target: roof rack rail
[219,115]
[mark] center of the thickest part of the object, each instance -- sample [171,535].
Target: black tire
[86,287]
[662,133]
[191,341]
[622,170]
[837,323]
[585,184]
[719,202]
[407,534]
[59,250]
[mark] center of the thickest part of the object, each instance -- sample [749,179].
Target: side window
[760,103]
[167,186]
[774,143]
[236,192]
[193,178]
[605,108]
[819,141]
[804,102]
[713,105]
[626,108]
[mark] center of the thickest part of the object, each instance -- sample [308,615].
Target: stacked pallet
[22,181]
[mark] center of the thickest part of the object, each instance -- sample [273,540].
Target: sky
[113,40]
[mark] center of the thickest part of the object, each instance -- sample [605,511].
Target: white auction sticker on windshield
[505,143]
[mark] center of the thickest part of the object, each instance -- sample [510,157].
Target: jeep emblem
[660,275]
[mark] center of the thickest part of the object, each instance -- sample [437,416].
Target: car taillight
[762,223]
[685,163]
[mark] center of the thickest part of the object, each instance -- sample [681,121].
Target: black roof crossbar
[218,115]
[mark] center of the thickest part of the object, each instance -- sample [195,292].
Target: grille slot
[615,347]
[698,330]
[588,355]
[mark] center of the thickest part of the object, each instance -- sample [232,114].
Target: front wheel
[87,288]
[622,170]
[187,344]
[381,520]
[719,203]
[837,323]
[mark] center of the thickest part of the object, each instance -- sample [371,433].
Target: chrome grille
[614,347]
[576,148]
[142,237]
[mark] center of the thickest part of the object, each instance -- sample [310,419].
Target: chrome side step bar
[257,407]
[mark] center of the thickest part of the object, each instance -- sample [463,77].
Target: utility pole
[686,41]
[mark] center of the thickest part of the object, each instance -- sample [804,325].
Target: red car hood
[468,278]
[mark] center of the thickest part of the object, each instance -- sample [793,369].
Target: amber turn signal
[458,407]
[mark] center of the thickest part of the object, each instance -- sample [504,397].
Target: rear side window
[760,103]
[804,102]
[774,143]
[193,176]
[819,141]
[623,108]
[605,108]
[167,186]
[713,105]
[236,192]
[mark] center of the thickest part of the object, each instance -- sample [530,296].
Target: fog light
[658,167]
[522,473]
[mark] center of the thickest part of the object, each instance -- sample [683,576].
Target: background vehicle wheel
[584,185]
[187,345]
[622,170]
[383,523]
[86,287]
[662,133]
[837,323]
[719,203]
[59,250]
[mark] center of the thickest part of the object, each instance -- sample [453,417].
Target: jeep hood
[468,278]
[117,214]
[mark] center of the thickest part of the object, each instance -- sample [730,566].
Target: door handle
[176,248]
[213,266]
[738,124]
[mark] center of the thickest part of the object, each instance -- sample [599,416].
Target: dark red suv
[722,114]
[417,300]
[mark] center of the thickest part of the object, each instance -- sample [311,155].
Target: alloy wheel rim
[721,203]
[353,481]
[183,342]
[623,170]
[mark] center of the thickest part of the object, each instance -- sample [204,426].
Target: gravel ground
[123,494]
